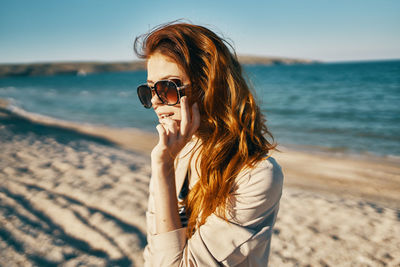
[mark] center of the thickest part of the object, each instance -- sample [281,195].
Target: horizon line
[246,55]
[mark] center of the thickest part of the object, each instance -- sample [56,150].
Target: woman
[214,190]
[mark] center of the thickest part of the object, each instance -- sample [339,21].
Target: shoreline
[121,136]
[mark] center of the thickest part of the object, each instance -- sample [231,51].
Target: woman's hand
[173,137]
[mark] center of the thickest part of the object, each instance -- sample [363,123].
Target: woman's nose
[155,100]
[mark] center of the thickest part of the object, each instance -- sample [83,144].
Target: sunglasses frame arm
[181,91]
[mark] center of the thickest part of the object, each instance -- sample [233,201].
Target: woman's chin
[178,120]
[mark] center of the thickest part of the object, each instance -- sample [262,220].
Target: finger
[174,131]
[164,123]
[195,119]
[168,124]
[172,126]
[162,134]
[185,117]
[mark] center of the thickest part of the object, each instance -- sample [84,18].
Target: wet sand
[78,196]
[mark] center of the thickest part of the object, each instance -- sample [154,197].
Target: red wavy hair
[232,131]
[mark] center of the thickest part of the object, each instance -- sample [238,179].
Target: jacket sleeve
[255,205]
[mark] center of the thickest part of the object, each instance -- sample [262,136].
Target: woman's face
[160,67]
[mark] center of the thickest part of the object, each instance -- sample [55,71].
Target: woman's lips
[165,115]
[171,115]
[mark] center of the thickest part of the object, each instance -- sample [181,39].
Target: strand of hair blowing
[232,130]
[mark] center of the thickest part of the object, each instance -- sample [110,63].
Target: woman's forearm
[173,137]
[166,203]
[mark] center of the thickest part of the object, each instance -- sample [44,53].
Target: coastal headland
[83,68]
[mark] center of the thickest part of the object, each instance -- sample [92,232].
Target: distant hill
[257,60]
[72,68]
[83,68]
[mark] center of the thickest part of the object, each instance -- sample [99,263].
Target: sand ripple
[70,202]
[316,229]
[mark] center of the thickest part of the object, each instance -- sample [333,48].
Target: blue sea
[351,107]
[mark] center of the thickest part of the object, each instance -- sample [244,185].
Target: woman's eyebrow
[163,78]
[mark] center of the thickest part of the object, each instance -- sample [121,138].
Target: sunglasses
[168,91]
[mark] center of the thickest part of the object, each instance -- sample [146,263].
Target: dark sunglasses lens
[145,95]
[167,91]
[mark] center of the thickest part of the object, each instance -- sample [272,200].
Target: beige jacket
[245,241]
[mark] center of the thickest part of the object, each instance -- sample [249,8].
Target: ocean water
[342,107]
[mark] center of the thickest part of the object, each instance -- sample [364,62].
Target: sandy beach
[77,195]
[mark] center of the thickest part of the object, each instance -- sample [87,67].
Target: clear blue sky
[98,30]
